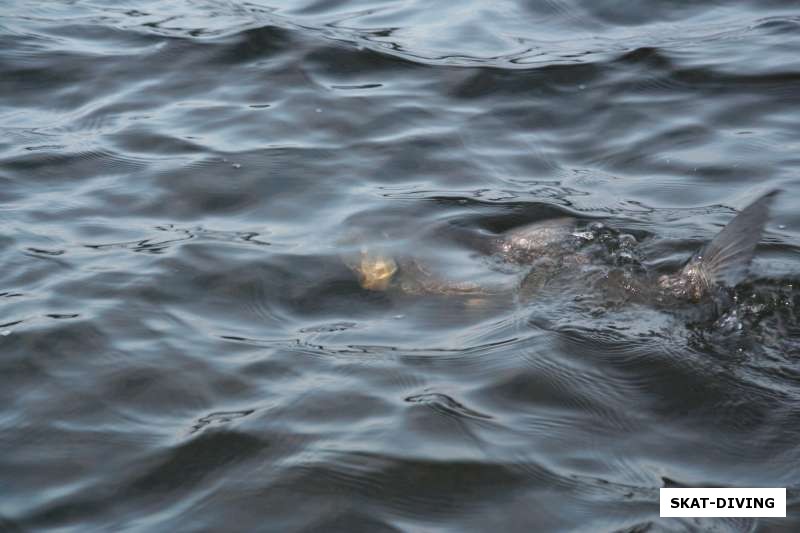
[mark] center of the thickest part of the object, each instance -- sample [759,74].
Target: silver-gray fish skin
[529,243]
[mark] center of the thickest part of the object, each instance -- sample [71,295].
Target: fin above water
[726,259]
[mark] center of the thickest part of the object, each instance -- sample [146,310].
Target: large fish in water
[555,250]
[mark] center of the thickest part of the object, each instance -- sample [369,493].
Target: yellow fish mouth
[375,272]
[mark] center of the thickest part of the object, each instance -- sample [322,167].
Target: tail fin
[726,259]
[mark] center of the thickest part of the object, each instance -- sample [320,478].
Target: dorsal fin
[726,259]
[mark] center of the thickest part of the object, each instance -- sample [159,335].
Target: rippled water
[185,349]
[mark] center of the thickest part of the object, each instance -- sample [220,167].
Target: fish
[558,251]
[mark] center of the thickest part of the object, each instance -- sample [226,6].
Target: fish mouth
[376,272]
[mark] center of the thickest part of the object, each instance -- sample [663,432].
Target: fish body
[527,244]
[555,253]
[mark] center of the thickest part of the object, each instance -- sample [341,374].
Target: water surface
[184,349]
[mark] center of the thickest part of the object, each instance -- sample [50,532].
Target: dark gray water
[183,348]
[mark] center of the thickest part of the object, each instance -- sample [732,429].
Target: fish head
[375,271]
